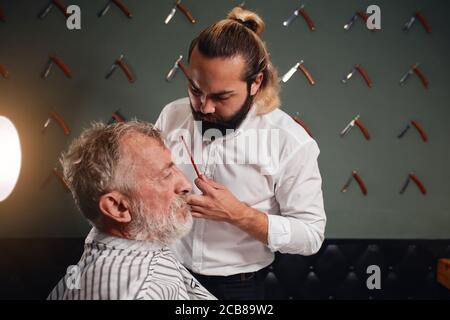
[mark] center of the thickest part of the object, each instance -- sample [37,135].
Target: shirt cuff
[279,232]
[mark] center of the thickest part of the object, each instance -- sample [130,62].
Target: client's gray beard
[163,228]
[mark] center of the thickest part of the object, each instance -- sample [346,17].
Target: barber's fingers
[213,183]
[197,200]
[204,185]
[197,215]
[200,212]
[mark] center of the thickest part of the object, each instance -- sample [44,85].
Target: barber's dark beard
[224,125]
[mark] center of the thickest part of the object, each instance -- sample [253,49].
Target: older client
[125,184]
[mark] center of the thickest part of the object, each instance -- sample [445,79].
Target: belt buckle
[247,276]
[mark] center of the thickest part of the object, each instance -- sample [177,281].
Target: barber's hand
[216,202]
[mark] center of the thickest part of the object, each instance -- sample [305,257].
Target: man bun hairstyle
[240,35]
[248,18]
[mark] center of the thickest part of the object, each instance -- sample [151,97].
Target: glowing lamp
[10,157]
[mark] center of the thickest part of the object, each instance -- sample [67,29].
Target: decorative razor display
[419,128]
[55,117]
[415,69]
[53,59]
[4,72]
[412,176]
[119,4]
[361,71]
[302,123]
[55,173]
[174,69]
[183,9]
[123,66]
[358,14]
[50,6]
[2,15]
[360,125]
[300,10]
[298,66]
[357,177]
[117,116]
[417,16]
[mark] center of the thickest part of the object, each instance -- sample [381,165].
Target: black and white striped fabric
[117,268]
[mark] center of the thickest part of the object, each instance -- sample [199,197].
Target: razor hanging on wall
[117,116]
[299,66]
[177,65]
[4,72]
[54,3]
[361,71]
[59,120]
[53,59]
[357,177]
[297,119]
[119,4]
[356,121]
[415,124]
[423,21]
[358,14]
[123,66]
[300,11]
[55,173]
[412,176]
[187,13]
[415,70]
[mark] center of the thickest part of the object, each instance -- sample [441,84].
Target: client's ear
[116,206]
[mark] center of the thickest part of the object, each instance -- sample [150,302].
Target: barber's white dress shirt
[269,163]
[113,268]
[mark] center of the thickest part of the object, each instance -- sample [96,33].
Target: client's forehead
[145,151]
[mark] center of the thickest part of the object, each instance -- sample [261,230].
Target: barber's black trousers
[243,286]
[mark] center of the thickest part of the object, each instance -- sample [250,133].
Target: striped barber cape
[113,268]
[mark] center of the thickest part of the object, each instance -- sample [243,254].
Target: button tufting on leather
[340,270]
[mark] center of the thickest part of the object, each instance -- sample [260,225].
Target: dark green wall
[151,48]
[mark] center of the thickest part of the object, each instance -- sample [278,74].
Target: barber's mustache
[207,117]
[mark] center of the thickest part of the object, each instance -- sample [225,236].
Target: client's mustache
[180,202]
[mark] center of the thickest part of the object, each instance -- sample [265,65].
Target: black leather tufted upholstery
[30,268]
[339,271]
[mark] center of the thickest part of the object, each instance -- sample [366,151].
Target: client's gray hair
[94,163]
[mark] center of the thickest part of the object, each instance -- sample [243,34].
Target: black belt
[260,274]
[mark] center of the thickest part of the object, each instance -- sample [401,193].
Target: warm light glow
[10,157]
